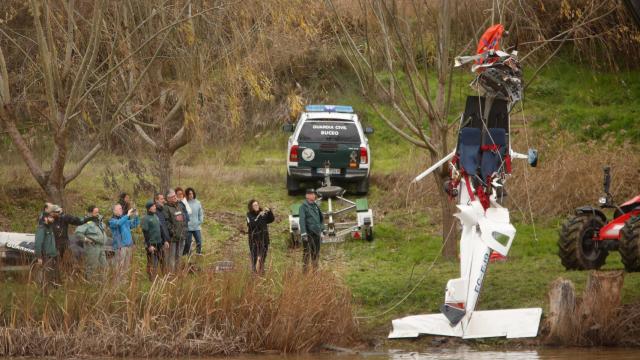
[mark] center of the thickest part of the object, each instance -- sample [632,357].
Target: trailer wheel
[630,244]
[577,249]
[368,234]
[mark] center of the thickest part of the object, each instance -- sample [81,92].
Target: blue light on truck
[329,108]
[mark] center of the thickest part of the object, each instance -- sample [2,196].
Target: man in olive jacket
[153,240]
[93,237]
[60,227]
[177,224]
[46,251]
[311,227]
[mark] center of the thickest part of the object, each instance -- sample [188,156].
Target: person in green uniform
[311,227]
[93,237]
[153,240]
[46,251]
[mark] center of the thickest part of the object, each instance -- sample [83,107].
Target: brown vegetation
[211,313]
[569,174]
[594,319]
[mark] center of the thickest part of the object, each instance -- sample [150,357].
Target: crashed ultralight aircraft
[479,168]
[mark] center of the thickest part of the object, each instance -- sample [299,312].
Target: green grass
[592,105]
[405,252]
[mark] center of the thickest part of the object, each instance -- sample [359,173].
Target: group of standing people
[168,227]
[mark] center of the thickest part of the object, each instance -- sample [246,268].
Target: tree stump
[600,305]
[562,310]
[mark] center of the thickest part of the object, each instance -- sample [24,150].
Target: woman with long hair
[257,223]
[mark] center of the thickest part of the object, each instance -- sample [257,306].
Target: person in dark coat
[46,252]
[311,228]
[61,228]
[257,222]
[162,216]
[177,223]
[153,240]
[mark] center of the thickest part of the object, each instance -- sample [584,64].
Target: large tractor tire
[629,246]
[577,249]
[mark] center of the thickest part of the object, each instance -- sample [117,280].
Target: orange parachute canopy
[490,40]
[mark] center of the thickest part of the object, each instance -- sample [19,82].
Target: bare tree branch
[47,67]
[69,44]
[135,52]
[399,131]
[180,139]
[5,93]
[87,62]
[9,125]
[57,83]
[81,165]
[145,137]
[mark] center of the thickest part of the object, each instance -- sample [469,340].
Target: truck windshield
[335,132]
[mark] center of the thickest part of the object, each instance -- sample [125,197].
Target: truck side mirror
[533,157]
[288,127]
[368,130]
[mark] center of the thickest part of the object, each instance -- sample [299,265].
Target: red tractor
[587,237]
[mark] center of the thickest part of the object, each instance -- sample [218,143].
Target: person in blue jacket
[121,226]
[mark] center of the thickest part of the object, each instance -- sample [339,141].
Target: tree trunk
[450,233]
[164,170]
[55,194]
[562,320]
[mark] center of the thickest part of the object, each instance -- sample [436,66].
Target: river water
[465,353]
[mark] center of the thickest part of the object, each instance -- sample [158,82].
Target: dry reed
[204,314]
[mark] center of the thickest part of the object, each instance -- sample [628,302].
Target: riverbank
[398,274]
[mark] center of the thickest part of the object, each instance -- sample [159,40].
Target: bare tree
[79,73]
[162,99]
[65,73]
[421,113]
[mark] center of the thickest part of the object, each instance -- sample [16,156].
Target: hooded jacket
[121,230]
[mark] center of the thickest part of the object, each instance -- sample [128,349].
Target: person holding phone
[258,220]
[121,226]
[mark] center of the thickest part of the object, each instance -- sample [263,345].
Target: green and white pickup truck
[328,138]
